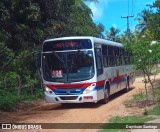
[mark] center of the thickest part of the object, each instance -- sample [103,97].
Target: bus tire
[106,94]
[127,85]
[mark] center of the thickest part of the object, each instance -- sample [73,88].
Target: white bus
[84,69]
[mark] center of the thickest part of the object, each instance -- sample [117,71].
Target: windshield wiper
[73,61]
[59,58]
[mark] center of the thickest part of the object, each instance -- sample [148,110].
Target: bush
[8,100]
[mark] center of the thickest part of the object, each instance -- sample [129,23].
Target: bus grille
[68,91]
[69,98]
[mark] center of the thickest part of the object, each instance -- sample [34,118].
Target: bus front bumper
[52,98]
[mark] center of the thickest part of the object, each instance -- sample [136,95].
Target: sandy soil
[76,113]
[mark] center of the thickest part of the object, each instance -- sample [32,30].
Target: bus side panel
[117,77]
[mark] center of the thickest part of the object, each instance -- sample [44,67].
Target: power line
[129,16]
[132,9]
[128,7]
[132,13]
[128,30]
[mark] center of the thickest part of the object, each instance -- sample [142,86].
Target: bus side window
[111,56]
[121,56]
[105,61]
[105,55]
[116,52]
[99,61]
[126,58]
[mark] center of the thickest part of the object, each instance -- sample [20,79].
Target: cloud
[114,25]
[105,2]
[97,12]
[98,8]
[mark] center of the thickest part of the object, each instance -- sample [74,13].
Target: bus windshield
[66,67]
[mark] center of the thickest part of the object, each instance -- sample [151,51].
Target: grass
[155,110]
[8,100]
[139,97]
[118,123]
[130,119]
[135,98]
[157,94]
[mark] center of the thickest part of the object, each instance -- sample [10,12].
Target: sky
[109,12]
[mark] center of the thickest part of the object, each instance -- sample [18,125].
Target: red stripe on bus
[100,83]
[68,86]
[84,85]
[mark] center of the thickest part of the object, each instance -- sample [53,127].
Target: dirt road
[76,113]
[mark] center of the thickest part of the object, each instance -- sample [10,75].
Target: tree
[26,24]
[143,19]
[124,37]
[146,56]
[112,34]
[79,22]
[6,56]
[149,24]
[154,23]
[100,28]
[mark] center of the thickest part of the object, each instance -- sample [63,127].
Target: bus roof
[94,39]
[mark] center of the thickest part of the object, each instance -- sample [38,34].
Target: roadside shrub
[8,101]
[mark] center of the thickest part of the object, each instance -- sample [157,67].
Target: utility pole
[128,33]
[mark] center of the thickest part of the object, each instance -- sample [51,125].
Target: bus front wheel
[106,95]
[127,85]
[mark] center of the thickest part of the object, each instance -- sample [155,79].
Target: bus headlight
[90,88]
[48,90]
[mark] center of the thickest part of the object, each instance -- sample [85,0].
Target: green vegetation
[9,100]
[136,98]
[118,124]
[155,110]
[112,34]
[144,44]
[146,56]
[24,26]
[130,119]
[139,97]
[142,100]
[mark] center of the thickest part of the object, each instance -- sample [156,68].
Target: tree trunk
[31,89]
[30,85]
[19,84]
[152,87]
[145,84]
[5,82]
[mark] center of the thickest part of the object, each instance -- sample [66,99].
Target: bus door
[99,64]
